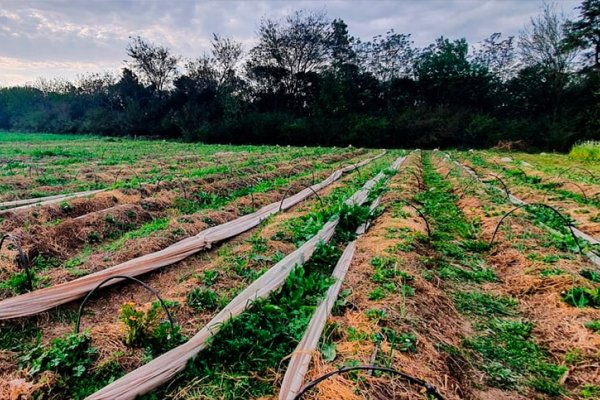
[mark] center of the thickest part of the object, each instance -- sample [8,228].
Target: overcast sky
[64,38]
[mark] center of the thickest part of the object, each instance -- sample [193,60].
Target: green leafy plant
[203,299]
[592,275]
[144,328]
[593,325]
[582,297]
[70,356]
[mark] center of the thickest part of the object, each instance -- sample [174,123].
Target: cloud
[66,38]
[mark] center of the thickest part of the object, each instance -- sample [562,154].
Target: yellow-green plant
[139,323]
[586,151]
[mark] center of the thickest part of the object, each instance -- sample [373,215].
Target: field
[185,271]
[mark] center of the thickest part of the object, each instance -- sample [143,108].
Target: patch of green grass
[484,304]
[510,358]
[590,391]
[593,325]
[203,299]
[145,230]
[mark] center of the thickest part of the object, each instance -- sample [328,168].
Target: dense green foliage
[308,81]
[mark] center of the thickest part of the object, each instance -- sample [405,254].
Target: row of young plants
[555,164]
[245,358]
[559,221]
[70,169]
[371,323]
[142,327]
[184,209]
[502,347]
[73,175]
[550,186]
[559,247]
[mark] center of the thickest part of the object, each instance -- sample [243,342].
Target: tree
[388,57]
[497,56]
[219,68]
[541,43]
[446,77]
[584,33]
[155,64]
[341,45]
[289,53]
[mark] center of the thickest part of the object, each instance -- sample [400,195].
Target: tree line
[307,81]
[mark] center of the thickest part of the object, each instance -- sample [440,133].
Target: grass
[145,230]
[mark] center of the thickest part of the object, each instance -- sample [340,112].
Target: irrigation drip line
[556,212]
[594,178]
[516,201]
[306,187]
[419,184]
[124,277]
[501,182]
[431,390]
[562,182]
[164,367]
[421,214]
[47,298]
[302,355]
[23,261]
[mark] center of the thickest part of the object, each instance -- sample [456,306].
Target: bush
[586,151]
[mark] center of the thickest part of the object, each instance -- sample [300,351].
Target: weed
[592,275]
[573,357]
[593,325]
[582,297]
[210,277]
[70,356]
[377,294]
[590,391]
[145,330]
[375,314]
[16,337]
[18,283]
[548,272]
[202,299]
[483,304]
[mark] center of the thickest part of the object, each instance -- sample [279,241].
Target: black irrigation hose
[145,285]
[501,182]
[420,185]
[357,171]
[421,214]
[468,186]
[23,260]
[431,390]
[298,168]
[565,221]
[594,178]
[307,187]
[585,197]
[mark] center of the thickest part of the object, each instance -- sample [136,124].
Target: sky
[67,38]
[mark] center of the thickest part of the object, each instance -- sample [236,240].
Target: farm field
[167,270]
